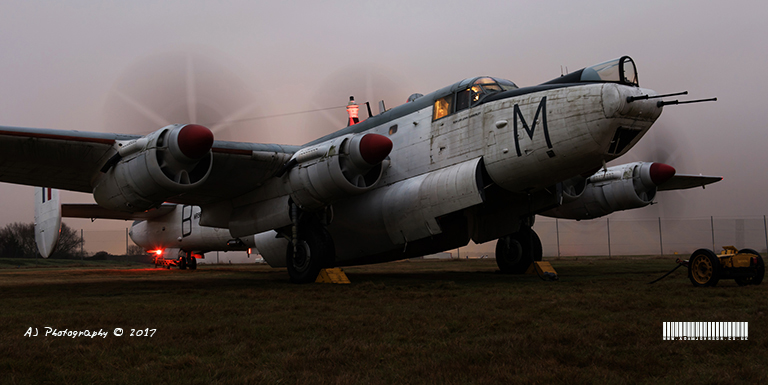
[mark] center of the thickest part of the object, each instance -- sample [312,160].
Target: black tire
[759,273]
[314,252]
[516,252]
[192,263]
[182,263]
[704,268]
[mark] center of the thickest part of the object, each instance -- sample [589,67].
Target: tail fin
[47,219]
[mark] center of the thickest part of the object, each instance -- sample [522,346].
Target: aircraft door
[186,220]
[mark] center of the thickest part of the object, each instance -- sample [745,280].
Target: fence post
[661,243]
[608,224]
[557,231]
[82,241]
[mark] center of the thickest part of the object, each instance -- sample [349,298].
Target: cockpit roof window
[621,70]
[468,93]
[485,86]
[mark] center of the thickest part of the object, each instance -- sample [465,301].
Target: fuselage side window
[442,107]
[462,100]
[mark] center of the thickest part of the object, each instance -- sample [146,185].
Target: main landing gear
[311,248]
[187,260]
[517,251]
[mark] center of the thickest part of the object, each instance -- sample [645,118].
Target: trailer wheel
[759,273]
[704,268]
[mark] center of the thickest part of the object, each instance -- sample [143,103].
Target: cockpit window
[620,70]
[462,100]
[442,107]
[470,94]
[506,85]
[486,86]
[629,74]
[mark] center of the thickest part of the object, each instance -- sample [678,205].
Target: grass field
[404,322]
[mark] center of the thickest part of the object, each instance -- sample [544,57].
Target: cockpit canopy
[469,93]
[621,70]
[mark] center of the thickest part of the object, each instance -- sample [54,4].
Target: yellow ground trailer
[705,268]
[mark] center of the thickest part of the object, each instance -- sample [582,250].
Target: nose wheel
[516,252]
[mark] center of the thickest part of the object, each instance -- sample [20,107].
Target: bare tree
[69,244]
[136,250]
[17,240]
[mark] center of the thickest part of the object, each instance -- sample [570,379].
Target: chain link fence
[601,237]
[659,236]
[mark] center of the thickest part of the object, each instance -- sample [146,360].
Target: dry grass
[405,322]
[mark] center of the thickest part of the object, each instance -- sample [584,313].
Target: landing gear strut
[516,252]
[187,260]
[311,247]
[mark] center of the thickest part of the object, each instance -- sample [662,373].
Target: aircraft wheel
[704,268]
[313,252]
[192,263]
[182,263]
[759,273]
[516,252]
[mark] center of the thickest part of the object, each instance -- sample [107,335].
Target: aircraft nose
[618,104]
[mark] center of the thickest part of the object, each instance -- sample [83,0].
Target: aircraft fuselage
[457,170]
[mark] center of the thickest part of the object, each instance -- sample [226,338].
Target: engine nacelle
[341,167]
[147,171]
[623,187]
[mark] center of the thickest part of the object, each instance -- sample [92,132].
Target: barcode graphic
[706,331]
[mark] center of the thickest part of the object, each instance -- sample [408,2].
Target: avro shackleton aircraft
[475,160]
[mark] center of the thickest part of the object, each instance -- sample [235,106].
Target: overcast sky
[72,65]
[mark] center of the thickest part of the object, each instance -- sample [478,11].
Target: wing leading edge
[72,160]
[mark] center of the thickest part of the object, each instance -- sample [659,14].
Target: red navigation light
[352,110]
[158,252]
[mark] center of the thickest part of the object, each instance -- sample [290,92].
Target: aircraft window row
[470,97]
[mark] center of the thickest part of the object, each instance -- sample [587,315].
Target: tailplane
[47,219]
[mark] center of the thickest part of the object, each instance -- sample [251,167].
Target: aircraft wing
[683,181]
[66,160]
[72,160]
[94,211]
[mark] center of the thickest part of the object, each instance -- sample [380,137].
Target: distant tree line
[17,240]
